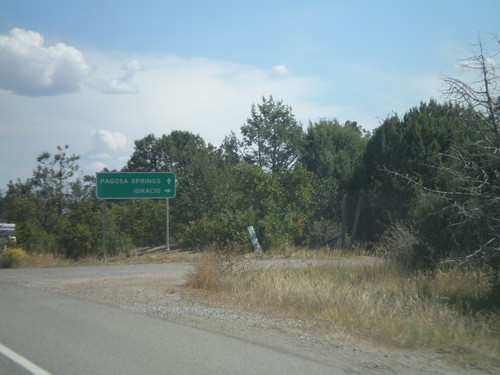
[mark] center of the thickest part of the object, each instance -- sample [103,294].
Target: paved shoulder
[67,335]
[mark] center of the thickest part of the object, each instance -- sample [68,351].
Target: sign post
[167,231]
[104,219]
[135,185]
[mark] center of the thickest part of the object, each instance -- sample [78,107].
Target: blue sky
[97,75]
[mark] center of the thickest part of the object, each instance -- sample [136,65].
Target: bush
[5,262]
[208,272]
[324,232]
[400,245]
[12,257]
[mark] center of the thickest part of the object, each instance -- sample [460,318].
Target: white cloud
[280,69]
[106,140]
[206,97]
[211,97]
[95,167]
[122,84]
[132,67]
[28,67]
[108,150]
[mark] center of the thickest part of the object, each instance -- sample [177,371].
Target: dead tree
[475,202]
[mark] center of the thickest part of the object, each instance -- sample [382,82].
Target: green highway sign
[135,185]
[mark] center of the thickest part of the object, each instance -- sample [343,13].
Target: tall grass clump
[208,272]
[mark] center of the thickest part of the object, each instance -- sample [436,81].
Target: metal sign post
[167,231]
[104,218]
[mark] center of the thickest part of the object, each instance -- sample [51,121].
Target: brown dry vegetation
[375,304]
[48,260]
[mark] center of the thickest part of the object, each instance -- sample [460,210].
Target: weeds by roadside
[20,259]
[208,272]
[435,312]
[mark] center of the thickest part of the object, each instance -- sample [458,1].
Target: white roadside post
[253,238]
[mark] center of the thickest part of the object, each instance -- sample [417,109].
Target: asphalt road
[65,335]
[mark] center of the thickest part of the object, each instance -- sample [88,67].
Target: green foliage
[200,176]
[118,240]
[468,200]
[54,211]
[12,257]
[78,228]
[299,189]
[277,205]
[402,156]
[74,238]
[462,217]
[272,138]
[142,220]
[225,230]
[37,240]
[333,150]
[333,153]
[258,196]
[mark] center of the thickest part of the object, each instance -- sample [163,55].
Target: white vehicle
[7,234]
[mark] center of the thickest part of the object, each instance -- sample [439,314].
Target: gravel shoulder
[157,290]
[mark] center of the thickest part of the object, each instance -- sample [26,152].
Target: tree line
[429,178]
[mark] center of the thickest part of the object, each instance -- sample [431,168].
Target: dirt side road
[156,289]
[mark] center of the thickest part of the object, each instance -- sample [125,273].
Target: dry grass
[371,303]
[50,261]
[208,272]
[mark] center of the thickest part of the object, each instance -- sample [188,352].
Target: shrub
[12,257]
[400,245]
[208,272]
[5,262]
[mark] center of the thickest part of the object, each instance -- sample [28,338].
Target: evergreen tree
[402,156]
[272,137]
